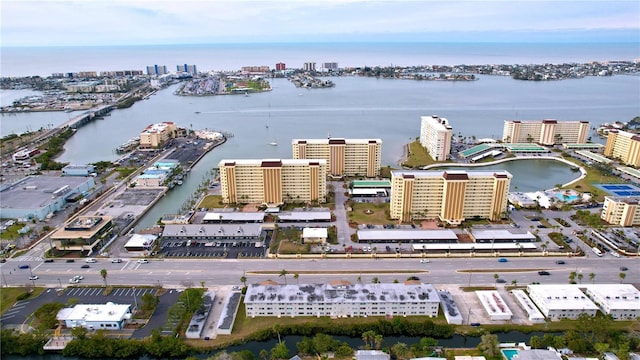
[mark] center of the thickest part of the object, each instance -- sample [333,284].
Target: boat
[179,182]
[273,143]
[197,112]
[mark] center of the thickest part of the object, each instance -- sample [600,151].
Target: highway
[179,273]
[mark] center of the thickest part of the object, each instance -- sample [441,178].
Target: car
[70,260]
[73,281]
[414,278]
[560,262]
[23,267]
[79,277]
[501,280]
[85,266]
[613,253]
[543,272]
[34,277]
[503,260]
[91,260]
[623,268]
[143,261]
[424,261]
[117,261]
[3,260]
[48,260]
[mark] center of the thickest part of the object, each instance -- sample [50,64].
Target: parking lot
[213,249]
[23,309]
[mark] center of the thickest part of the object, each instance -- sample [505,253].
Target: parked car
[543,272]
[85,266]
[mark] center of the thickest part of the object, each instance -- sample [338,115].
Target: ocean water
[26,61]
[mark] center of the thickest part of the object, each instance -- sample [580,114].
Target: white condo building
[545,132]
[621,301]
[561,301]
[344,157]
[341,299]
[435,136]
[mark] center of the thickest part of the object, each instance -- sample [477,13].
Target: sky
[136,22]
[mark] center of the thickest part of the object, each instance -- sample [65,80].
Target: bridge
[87,116]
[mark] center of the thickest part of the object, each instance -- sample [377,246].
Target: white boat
[273,143]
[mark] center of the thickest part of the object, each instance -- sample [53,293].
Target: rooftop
[95,312]
[259,162]
[616,296]
[187,230]
[329,140]
[441,173]
[375,235]
[341,293]
[34,192]
[562,296]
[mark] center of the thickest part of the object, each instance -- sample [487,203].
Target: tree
[375,280]
[592,277]
[489,345]
[495,278]
[580,276]
[296,276]
[401,350]
[514,282]
[368,337]
[149,302]
[279,351]
[45,315]
[622,276]
[243,280]
[79,332]
[283,273]
[536,342]
[264,354]
[104,274]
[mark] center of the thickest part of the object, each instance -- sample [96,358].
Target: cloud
[105,22]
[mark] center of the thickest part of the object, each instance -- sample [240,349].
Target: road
[186,272]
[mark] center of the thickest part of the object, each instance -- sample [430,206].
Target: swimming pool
[568,198]
[509,353]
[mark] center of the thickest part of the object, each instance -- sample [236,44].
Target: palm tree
[283,273]
[296,276]
[243,280]
[359,279]
[592,277]
[103,273]
[375,280]
[514,282]
[622,276]
[580,276]
[496,277]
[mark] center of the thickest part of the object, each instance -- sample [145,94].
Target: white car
[73,281]
[78,277]
[34,277]
[143,261]
[116,261]
[91,260]
[424,261]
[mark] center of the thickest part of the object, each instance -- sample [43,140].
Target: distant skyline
[146,22]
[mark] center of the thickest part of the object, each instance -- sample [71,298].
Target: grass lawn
[9,296]
[594,176]
[212,202]
[370,213]
[418,156]
[12,232]
[288,247]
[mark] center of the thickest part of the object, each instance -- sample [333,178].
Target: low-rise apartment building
[623,146]
[435,136]
[621,210]
[451,196]
[545,132]
[156,135]
[273,181]
[344,157]
[621,301]
[561,301]
[341,299]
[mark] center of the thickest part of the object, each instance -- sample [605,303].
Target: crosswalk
[24,258]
